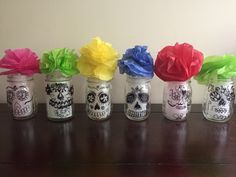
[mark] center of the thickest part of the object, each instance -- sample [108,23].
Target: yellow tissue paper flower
[98,59]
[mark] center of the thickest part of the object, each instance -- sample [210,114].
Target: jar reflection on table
[98,99]
[218,136]
[20,96]
[102,132]
[177,99]
[137,94]
[219,101]
[176,133]
[97,142]
[136,140]
[23,141]
[65,130]
[59,138]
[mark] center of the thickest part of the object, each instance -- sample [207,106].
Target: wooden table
[117,147]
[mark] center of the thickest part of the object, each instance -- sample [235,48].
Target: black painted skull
[222,94]
[20,99]
[179,97]
[98,101]
[137,99]
[60,95]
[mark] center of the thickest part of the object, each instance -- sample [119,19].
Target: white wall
[209,25]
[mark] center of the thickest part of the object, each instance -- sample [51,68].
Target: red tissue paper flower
[178,63]
[20,61]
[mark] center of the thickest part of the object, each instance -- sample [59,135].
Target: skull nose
[137,106]
[60,96]
[222,102]
[17,105]
[97,107]
[181,102]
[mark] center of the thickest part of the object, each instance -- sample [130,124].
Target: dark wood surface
[117,147]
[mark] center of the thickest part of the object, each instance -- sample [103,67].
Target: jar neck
[18,78]
[221,81]
[135,79]
[57,76]
[93,80]
[178,82]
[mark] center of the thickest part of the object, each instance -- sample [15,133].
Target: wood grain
[117,147]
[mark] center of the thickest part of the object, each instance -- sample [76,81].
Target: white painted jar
[59,97]
[20,96]
[137,96]
[177,99]
[219,101]
[98,99]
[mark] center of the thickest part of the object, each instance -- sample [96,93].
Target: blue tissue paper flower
[137,62]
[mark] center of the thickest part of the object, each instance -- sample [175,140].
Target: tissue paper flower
[98,60]
[178,63]
[137,62]
[217,67]
[63,60]
[20,61]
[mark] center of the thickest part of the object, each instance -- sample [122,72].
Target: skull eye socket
[143,97]
[175,96]
[215,96]
[10,96]
[231,97]
[217,89]
[130,97]
[22,95]
[103,97]
[91,97]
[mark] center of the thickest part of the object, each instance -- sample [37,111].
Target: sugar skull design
[20,100]
[98,100]
[59,99]
[137,100]
[177,101]
[220,98]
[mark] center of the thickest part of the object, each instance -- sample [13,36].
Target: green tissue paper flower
[217,68]
[64,60]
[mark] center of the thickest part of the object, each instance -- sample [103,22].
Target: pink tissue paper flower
[20,61]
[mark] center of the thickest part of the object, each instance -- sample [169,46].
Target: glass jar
[177,98]
[219,101]
[137,93]
[98,99]
[20,96]
[59,98]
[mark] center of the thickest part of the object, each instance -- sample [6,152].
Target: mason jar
[177,98]
[137,93]
[20,96]
[218,101]
[98,99]
[59,97]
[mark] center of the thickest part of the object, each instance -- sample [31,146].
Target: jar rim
[19,77]
[187,81]
[137,77]
[220,79]
[57,76]
[94,79]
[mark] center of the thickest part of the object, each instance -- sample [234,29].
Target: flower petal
[137,62]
